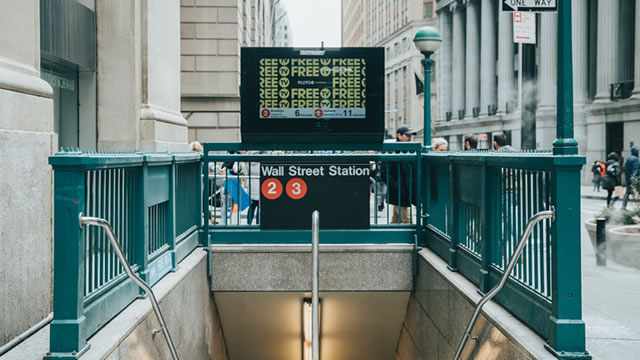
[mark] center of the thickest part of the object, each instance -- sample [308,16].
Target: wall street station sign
[529,5]
[289,193]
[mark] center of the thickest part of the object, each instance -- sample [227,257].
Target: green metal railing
[469,208]
[153,203]
[479,205]
[233,168]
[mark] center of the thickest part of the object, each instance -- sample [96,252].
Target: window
[427,12]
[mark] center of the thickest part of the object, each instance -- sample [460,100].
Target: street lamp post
[427,41]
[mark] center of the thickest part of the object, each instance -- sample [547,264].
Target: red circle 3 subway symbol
[271,189]
[319,113]
[265,113]
[296,188]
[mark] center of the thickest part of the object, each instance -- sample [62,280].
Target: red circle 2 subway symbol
[271,189]
[296,188]
[318,113]
[265,113]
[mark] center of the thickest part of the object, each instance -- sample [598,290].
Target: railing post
[171,221]
[68,337]
[487,218]
[567,329]
[204,235]
[426,196]
[452,218]
[141,239]
[420,226]
[199,211]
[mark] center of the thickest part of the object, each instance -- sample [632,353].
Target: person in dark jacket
[611,177]
[595,170]
[399,177]
[631,170]
[470,143]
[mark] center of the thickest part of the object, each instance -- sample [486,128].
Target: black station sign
[312,95]
[289,193]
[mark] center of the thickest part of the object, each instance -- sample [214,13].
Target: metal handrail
[87,220]
[315,297]
[536,218]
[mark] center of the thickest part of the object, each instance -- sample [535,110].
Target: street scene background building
[479,67]
[212,33]
[107,76]
[392,24]
[97,75]
[150,76]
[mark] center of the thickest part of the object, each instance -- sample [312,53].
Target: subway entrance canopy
[300,96]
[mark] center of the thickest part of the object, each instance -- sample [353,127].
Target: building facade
[282,34]
[480,67]
[213,31]
[91,74]
[392,24]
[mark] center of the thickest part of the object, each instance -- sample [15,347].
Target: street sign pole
[524,34]
[520,76]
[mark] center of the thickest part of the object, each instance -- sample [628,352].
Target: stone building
[212,33]
[392,24]
[282,34]
[479,70]
[95,74]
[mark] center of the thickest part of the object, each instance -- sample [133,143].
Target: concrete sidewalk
[611,299]
[588,193]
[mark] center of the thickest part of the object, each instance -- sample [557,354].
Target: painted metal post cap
[427,39]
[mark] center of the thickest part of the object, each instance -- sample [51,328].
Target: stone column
[547,81]
[506,79]
[608,48]
[579,22]
[636,53]
[458,91]
[444,65]
[488,56]
[580,51]
[139,76]
[26,141]
[548,62]
[472,57]
[625,35]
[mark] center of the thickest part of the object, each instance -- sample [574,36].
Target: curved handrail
[315,297]
[536,218]
[87,220]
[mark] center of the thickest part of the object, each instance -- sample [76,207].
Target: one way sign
[529,5]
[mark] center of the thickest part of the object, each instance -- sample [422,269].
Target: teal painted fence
[470,209]
[478,206]
[239,164]
[153,204]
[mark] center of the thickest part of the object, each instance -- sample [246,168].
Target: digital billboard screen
[312,95]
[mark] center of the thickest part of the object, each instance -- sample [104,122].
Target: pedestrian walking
[440,144]
[611,177]
[631,170]
[596,169]
[470,143]
[378,186]
[398,177]
[196,146]
[235,197]
[500,143]
[254,192]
